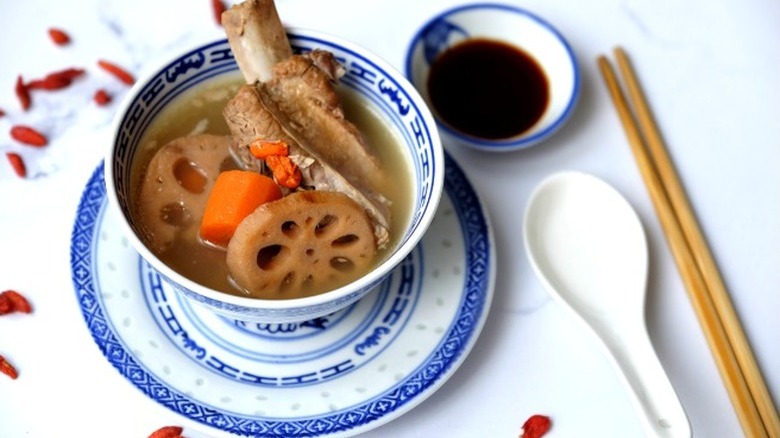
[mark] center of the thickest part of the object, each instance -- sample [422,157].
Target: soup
[199,112]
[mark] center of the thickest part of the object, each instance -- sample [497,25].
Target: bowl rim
[512,143]
[248,303]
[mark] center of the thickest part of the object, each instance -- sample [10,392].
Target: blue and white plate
[338,375]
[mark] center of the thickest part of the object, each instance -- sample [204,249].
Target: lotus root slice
[303,244]
[176,187]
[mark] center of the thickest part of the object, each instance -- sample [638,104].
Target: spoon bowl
[588,248]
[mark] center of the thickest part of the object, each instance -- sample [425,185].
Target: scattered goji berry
[2,113]
[18,302]
[28,136]
[6,306]
[102,97]
[56,80]
[119,72]
[59,36]
[8,369]
[22,93]
[218,7]
[17,163]
[167,432]
[536,426]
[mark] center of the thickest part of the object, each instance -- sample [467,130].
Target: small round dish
[512,26]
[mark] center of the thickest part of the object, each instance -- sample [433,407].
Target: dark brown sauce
[488,89]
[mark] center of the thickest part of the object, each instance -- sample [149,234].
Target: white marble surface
[711,71]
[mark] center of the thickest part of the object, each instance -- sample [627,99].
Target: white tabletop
[710,70]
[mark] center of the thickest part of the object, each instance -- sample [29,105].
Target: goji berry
[287,174]
[22,93]
[536,426]
[102,97]
[28,136]
[167,432]
[119,72]
[59,36]
[2,113]
[56,80]
[8,369]
[18,302]
[263,148]
[17,163]
[218,8]
[6,306]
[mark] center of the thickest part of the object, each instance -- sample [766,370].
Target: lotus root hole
[342,264]
[290,229]
[189,176]
[175,214]
[324,224]
[345,240]
[310,252]
[271,256]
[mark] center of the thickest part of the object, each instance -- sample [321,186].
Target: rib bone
[257,38]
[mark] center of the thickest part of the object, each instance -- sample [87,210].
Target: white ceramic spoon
[588,248]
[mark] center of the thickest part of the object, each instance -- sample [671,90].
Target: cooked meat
[292,98]
[302,89]
[305,112]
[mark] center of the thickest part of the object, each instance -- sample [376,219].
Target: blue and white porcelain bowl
[515,27]
[384,90]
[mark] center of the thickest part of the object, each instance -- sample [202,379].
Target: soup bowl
[507,25]
[379,87]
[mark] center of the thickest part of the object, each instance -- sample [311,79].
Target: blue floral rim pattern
[472,311]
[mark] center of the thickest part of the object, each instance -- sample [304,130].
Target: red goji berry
[102,97]
[17,163]
[536,426]
[56,80]
[2,113]
[22,93]
[167,432]
[6,306]
[218,8]
[28,136]
[119,72]
[285,172]
[18,302]
[59,36]
[8,369]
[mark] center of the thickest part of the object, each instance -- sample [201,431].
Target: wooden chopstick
[708,295]
[700,250]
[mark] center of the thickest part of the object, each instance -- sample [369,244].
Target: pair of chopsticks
[708,295]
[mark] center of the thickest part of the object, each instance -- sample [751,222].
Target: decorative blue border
[471,313]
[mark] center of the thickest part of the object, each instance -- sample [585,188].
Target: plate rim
[477,292]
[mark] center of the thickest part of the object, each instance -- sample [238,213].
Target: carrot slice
[235,194]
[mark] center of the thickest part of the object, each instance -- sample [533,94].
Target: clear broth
[200,111]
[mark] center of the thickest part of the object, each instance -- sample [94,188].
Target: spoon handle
[651,391]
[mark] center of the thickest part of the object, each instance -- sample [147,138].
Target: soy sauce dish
[496,77]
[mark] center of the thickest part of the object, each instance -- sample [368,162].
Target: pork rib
[296,101]
[251,115]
